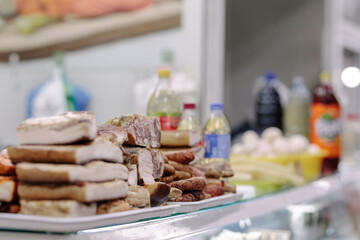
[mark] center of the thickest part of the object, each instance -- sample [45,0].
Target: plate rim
[83,219]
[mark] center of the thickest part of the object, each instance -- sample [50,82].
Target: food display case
[215,49]
[323,209]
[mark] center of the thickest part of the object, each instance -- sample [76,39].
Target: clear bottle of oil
[164,103]
[217,136]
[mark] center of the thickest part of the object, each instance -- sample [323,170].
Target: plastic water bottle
[296,114]
[268,107]
[217,136]
[189,118]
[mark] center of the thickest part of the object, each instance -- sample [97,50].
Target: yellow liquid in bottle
[165,104]
[217,127]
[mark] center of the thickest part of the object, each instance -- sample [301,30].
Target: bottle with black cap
[269,112]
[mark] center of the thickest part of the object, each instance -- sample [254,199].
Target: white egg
[250,146]
[281,146]
[264,148]
[263,142]
[237,149]
[271,134]
[313,149]
[249,136]
[298,144]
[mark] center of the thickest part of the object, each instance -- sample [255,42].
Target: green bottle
[164,103]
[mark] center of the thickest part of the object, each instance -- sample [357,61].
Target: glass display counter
[328,208]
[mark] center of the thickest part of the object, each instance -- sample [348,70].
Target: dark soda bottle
[325,123]
[269,112]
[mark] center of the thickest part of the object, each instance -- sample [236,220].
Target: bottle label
[325,127]
[217,145]
[169,123]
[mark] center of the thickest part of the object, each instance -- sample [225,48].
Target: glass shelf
[208,220]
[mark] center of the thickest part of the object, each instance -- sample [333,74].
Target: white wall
[107,71]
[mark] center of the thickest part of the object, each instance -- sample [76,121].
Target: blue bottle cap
[216,106]
[269,75]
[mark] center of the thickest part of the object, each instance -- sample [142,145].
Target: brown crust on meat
[191,197]
[187,197]
[131,140]
[184,156]
[180,175]
[199,195]
[214,190]
[228,187]
[19,154]
[82,192]
[6,166]
[179,166]
[27,176]
[9,207]
[168,170]
[113,206]
[159,193]
[213,173]
[195,172]
[167,179]
[191,184]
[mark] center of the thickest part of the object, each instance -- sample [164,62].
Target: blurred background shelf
[77,33]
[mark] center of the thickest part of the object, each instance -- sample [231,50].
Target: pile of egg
[272,143]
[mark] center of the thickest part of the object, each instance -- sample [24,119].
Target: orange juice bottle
[325,123]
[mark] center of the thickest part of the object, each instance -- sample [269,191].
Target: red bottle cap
[189,105]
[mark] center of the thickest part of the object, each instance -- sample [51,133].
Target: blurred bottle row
[317,117]
[165,104]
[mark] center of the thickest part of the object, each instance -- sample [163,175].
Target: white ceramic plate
[66,225]
[186,207]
